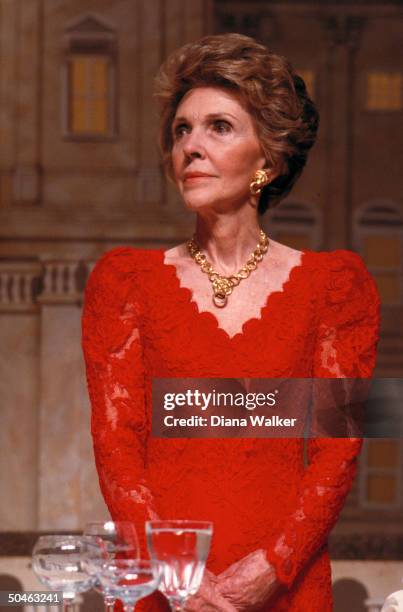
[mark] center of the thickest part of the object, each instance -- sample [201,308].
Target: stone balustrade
[24,286]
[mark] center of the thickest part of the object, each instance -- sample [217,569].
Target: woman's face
[215,150]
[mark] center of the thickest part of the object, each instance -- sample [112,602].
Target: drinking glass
[59,563]
[108,540]
[129,579]
[182,549]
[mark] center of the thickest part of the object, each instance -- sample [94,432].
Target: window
[89,94]
[379,230]
[89,89]
[381,473]
[383,256]
[384,91]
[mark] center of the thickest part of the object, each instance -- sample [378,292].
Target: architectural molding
[64,281]
[19,283]
[89,23]
[25,286]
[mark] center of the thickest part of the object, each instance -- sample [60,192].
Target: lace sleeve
[346,347]
[115,376]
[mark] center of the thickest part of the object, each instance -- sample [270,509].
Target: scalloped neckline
[210,315]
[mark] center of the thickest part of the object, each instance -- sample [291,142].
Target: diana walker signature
[253,420]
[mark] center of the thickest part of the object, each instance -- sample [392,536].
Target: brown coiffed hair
[285,117]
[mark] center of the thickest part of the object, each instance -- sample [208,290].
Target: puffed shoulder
[111,306]
[347,281]
[116,262]
[116,271]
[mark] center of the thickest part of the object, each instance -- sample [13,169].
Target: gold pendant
[220,300]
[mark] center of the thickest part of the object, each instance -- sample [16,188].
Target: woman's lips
[196,177]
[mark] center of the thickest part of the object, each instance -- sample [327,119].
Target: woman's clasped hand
[248,584]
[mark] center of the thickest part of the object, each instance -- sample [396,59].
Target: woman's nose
[193,144]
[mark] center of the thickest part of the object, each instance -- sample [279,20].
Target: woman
[236,128]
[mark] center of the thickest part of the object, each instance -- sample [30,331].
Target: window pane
[78,68]
[381,489]
[384,91]
[383,453]
[89,94]
[79,116]
[388,287]
[99,116]
[384,251]
[99,76]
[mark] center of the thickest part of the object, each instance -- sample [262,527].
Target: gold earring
[260,179]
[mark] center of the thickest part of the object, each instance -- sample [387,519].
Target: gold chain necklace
[223,285]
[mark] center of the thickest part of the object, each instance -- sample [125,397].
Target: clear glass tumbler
[112,539]
[130,579]
[59,561]
[182,548]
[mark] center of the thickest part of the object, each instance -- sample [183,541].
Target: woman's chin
[198,204]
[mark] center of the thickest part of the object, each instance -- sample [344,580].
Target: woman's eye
[222,127]
[180,130]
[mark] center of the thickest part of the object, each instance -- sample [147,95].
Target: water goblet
[182,548]
[106,540]
[59,563]
[129,579]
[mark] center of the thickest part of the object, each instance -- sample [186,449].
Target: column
[68,487]
[342,34]
[26,176]
[19,327]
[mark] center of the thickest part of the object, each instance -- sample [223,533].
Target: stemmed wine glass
[181,547]
[108,540]
[129,579]
[59,563]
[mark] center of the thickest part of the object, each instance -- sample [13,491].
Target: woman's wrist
[250,582]
[208,597]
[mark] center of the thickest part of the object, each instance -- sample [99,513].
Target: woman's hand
[249,583]
[207,598]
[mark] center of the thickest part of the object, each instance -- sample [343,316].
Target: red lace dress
[139,323]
